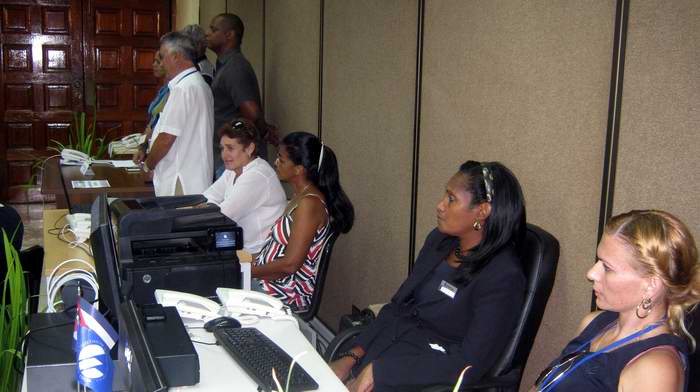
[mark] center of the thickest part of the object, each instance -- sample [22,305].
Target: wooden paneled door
[61,56]
[121,38]
[41,83]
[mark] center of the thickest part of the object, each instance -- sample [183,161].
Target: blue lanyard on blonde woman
[587,358]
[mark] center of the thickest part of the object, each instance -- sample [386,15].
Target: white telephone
[73,157]
[188,305]
[80,225]
[133,140]
[244,302]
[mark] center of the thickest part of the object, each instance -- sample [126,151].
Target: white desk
[219,371]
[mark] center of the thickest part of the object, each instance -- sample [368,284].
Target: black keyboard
[257,355]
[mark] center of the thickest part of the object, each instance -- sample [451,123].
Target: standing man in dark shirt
[235,87]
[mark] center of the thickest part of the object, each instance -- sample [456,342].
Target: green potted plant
[82,137]
[13,317]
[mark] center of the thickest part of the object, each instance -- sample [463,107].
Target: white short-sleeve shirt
[189,115]
[254,200]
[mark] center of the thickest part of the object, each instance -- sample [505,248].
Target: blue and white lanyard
[587,358]
[184,76]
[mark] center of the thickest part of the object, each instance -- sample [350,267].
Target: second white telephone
[245,302]
[188,305]
[242,304]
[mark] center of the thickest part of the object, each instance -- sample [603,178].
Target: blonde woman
[646,278]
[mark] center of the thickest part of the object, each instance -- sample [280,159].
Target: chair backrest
[692,321]
[311,311]
[539,258]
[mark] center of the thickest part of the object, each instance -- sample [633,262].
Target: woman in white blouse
[249,191]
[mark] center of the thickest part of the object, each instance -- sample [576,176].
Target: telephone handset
[133,140]
[188,305]
[244,302]
[73,157]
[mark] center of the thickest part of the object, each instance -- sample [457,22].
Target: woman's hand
[364,382]
[342,367]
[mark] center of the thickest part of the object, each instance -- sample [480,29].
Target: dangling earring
[476,225]
[646,306]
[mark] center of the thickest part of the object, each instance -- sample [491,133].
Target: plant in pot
[82,137]
[13,316]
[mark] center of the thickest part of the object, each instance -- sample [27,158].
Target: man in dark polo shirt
[235,87]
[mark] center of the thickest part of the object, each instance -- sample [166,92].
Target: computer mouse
[221,322]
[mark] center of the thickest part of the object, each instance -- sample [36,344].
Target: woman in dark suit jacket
[461,303]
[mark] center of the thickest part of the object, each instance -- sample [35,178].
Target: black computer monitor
[104,251]
[142,367]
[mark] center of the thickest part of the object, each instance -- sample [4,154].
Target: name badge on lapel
[448,289]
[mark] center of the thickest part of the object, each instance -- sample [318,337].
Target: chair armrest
[342,342]
[32,260]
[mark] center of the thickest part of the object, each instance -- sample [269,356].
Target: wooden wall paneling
[292,65]
[368,100]
[121,39]
[525,84]
[40,85]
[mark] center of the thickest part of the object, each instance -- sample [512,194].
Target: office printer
[165,243]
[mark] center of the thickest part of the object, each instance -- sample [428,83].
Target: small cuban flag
[94,337]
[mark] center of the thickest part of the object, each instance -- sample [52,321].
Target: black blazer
[473,327]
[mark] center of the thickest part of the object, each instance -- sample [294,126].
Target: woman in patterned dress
[287,266]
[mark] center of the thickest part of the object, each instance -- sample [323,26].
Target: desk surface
[218,370]
[57,251]
[122,183]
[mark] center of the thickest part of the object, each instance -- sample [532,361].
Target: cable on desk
[55,282]
[205,343]
[41,170]
[21,348]
[73,243]
[59,232]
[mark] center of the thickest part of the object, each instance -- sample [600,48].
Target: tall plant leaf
[13,315]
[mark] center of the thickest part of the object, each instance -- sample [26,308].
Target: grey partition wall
[658,160]
[404,91]
[368,99]
[292,64]
[252,15]
[524,83]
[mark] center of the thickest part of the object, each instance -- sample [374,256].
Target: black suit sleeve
[387,315]
[497,302]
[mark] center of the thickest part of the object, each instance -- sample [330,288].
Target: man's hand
[164,141]
[139,156]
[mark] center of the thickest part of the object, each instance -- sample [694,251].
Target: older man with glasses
[181,146]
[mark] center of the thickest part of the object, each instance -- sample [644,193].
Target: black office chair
[32,260]
[693,323]
[310,312]
[540,258]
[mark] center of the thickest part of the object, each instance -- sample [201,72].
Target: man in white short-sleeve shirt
[181,147]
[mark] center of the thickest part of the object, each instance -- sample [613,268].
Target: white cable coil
[55,281]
